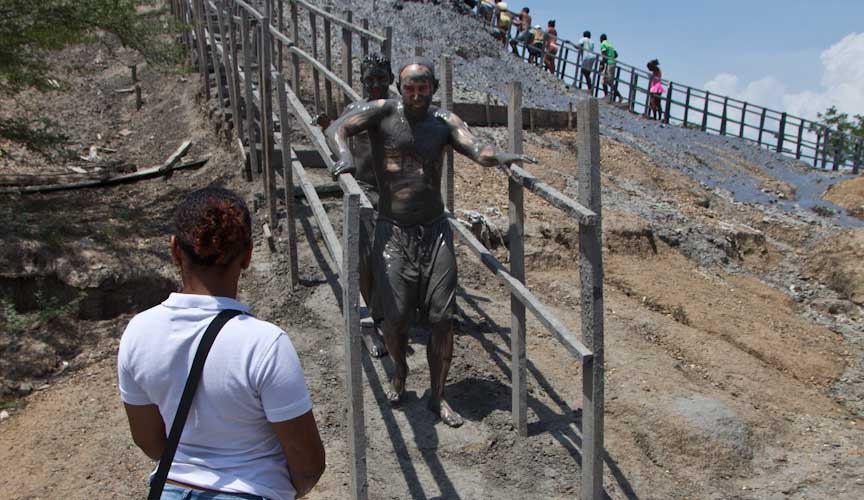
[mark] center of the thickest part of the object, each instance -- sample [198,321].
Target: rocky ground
[734,331]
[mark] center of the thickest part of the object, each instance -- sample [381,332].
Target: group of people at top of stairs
[542,48]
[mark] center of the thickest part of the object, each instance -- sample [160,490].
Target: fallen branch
[148,173]
[174,158]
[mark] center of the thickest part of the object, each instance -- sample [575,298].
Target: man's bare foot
[373,342]
[448,415]
[395,393]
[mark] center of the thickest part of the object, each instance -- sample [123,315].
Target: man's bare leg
[368,331]
[396,338]
[439,354]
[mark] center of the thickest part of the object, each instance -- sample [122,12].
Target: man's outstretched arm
[349,124]
[465,142]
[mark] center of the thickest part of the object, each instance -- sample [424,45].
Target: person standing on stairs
[413,259]
[376,76]
[609,58]
[586,49]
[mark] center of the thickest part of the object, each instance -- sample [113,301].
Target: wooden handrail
[359,30]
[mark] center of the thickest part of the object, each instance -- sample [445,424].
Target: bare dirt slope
[734,345]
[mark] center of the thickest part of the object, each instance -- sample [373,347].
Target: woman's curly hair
[213,226]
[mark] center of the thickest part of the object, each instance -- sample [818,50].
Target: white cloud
[842,84]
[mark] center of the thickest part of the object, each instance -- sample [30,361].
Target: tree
[29,29]
[844,133]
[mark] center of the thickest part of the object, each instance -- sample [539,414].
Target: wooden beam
[316,77]
[347,59]
[168,164]
[563,334]
[288,184]
[447,104]
[148,173]
[571,207]
[328,63]
[350,278]
[591,287]
[345,24]
[515,238]
[249,97]
[267,139]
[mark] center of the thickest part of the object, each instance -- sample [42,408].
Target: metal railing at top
[796,137]
[248,64]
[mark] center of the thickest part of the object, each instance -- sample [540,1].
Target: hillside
[734,325]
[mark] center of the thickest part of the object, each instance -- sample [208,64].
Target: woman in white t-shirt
[250,432]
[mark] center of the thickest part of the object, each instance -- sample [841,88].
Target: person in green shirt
[610,55]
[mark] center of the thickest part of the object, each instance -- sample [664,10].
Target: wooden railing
[240,48]
[802,139]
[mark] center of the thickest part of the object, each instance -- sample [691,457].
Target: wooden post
[800,137]
[839,157]
[347,56]
[488,111]
[825,143]
[280,24]
[743,120]
[816,151]
[564,63]
[248,98]
[288,183]
[134,69]
[781,133]
[668,103]
[202,50]
[418,51]
[353,370]
[723,117]
[235,72]
[266,91]
[569,115]
[631,95]
[138,101]
[704,125]
[295,59]
[364,42]
[447,104]
[516,234]
[214,57]
[591,281]
[316,77]
[387,44]
[647,97]
[687,106]
[856,160]
[761,126]
[328,62]
[227,56]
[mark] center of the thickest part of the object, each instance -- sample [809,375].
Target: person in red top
[550,44]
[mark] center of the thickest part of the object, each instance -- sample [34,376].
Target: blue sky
[768,50]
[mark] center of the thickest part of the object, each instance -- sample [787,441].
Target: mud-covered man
[376,76]
[413,258]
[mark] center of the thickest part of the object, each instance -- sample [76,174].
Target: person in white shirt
[586,47]
[250,432]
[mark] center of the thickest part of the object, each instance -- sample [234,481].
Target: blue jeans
[173,492]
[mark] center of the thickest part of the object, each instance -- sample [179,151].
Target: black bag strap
[158,483]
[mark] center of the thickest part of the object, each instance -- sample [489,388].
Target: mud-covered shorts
[414,268]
